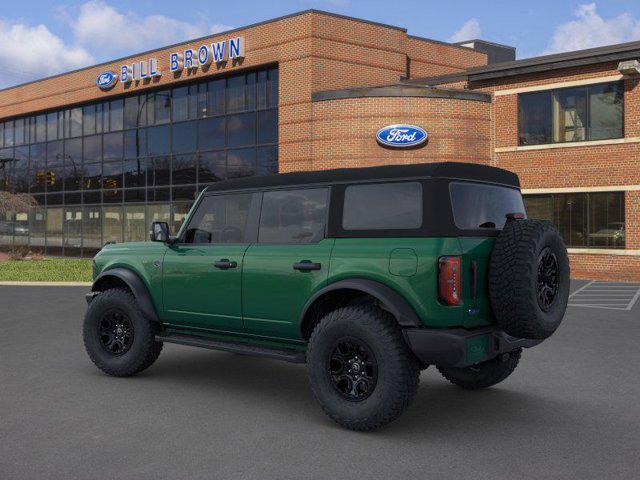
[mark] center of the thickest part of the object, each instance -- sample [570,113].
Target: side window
[383,206]
[220,219]
[293,216]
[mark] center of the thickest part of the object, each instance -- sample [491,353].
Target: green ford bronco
[368,275]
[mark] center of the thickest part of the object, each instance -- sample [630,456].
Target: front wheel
[360,369]
[484,374]
[117,336]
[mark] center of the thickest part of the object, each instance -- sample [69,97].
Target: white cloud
[469,31]
[29,52]
[589,29]
[107,31]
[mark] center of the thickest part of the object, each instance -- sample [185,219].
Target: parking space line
[612,296]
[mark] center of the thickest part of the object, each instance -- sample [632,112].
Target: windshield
[477,206]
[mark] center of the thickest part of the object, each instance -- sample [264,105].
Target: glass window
[37,168]
[593,220]
[477,206]
[89,115]
[534,118]
[135,143]
[383,206]
[102,120]
[220,219]
[1,134]
[211,167]
[54,229]
[179,212]
[241,129]
[570,115]
[75,122]
[55,167]
[8,134]
[183,137]
[130,116]
[293,216]
[135,172]
[606,111]
[92,228]
[92,149]
[134,223]
[261,89]
[250,89]
[159,171]
[211,133]
[268,126]
[19,132]
[184,169]
[21,169]
[235,93]
[267,160]
[73,164]
[112,224]
[592,112]
[180,104]
[116,115]
[158,140]
[112,146]
[72,230]
[162,109]
[37,227]
[112,175]
[215,97]
[241,163]
[92,176]
[201,100]
[41,128]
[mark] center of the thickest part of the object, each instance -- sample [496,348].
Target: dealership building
[106,150]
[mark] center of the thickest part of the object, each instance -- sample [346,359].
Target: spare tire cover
[529,278]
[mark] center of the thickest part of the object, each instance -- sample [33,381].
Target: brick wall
[344,131]
[429,58]
[576,167]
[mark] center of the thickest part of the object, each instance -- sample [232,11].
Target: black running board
[234,347]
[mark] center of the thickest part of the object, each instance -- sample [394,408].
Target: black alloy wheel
[547,279]
[115,332]
[353,369]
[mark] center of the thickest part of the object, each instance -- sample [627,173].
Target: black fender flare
[392,300]
[135,284]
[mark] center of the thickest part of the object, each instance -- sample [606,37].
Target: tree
[15,202]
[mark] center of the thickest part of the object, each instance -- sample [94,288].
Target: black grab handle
[306,266]
[224,264]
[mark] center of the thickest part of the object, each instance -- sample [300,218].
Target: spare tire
[529,278]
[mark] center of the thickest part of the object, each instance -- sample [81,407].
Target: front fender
[135,284]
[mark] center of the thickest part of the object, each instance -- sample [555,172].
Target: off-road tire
[514,278]
[144,349]
[398,370]
[484,374]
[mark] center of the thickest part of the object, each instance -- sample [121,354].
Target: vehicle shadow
[439,408]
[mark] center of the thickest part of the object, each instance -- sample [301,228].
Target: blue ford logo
[106,80]
[401,136]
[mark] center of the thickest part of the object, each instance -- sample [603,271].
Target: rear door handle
[225,264]
[306,266]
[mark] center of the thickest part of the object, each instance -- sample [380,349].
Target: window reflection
[85,162]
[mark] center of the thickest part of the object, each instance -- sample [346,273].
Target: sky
[39,38]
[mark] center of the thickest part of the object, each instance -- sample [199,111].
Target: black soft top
[452,170]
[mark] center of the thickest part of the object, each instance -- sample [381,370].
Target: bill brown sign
[189,59]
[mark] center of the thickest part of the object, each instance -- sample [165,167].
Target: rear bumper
[457,347]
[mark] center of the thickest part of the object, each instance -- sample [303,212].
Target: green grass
[47,270]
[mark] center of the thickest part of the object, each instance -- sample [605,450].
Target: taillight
[449,280]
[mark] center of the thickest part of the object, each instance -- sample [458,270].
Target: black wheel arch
[388,298]
[133,281]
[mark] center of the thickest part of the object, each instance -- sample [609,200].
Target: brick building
[107,149]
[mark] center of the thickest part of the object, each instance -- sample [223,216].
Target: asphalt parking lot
[571,410]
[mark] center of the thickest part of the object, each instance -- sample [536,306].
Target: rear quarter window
[477,206]
[383,206]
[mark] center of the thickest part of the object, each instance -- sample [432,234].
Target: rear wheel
[360,369]
[117,336]
[484,374]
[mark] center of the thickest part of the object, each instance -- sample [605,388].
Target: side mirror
[160,232]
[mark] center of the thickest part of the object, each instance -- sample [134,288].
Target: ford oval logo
[401,136]
[106,80]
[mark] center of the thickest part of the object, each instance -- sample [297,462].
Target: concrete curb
[46,284]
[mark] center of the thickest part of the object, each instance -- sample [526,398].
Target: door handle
[225,264]
[306,265]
